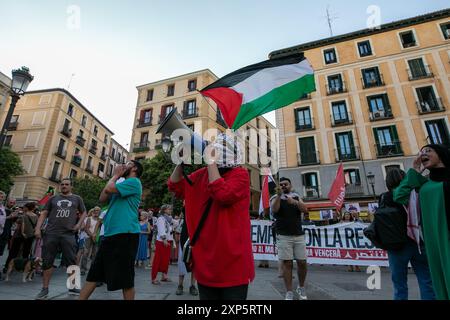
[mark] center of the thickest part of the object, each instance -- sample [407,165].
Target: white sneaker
[301,293]
[289,295]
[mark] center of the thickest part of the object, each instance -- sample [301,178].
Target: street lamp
[371,179]
[21,78]
[166,144]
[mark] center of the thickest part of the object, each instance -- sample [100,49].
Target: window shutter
[296,117]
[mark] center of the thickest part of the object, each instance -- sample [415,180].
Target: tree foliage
[154,181]
[10,166]
[89,190]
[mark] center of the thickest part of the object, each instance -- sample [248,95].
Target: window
[101,167]
[113,153]
[70,110]
[94,143]
[408,39]
[95,130]
[330,56]
[144,139]
[391,167]
[170,90]
[89,161]
[106,139]
[165,112]
[445,27]
[149,95]
[372,78]
[110,170]
[427,100]
[352,177]
[418,70]
[308,154]
[438,132]
[8,140]
[190,108]
[335,84]
[54,177]
[73,174]
[364,49]
[147,116]
[311,185]
[61,144]
[387,142]
[303,119]
[192,85]
[83,120]
[345,147]
[103,152]
[81,133]
[379,107]
[340,114]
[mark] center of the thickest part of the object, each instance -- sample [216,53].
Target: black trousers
[230,293]
[16,246]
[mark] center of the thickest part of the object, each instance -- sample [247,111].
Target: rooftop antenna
[70,81]
[330,20]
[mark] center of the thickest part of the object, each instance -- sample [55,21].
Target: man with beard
[288,208]
[62,226]
[114,262]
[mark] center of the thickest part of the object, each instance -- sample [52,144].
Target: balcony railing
[389,150]
[61,154]
[67,132]
[13,126]
[420,73]
[76,161]
[81,141]
[347,154]
[311,193]
[93,149]
[341,88]
[309,158]
[141,147]
[187,115]
[343,121]
[305,126]
[90,168]
[381,114]
[430,106]
[354,190]
[373,83]
[103,157]
[55,178]
[144,122]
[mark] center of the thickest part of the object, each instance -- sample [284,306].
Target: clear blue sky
[122,44]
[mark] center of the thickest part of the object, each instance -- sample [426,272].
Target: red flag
[337,192]
[265,195]
[50,192]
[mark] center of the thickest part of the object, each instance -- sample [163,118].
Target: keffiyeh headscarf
[228,151]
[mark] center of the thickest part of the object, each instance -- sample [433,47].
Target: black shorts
[54,243]
[114,262]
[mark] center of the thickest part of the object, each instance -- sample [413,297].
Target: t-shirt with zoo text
[63,213]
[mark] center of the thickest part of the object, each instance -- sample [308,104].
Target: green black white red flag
[260,88]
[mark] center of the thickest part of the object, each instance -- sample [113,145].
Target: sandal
[166,280]
[156,282]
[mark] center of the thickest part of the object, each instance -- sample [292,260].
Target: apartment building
[117,155]
[157,99]
[381,95]
[55,136]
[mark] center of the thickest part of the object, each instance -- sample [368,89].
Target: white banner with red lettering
[339,244]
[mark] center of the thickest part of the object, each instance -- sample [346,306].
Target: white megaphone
[172,122]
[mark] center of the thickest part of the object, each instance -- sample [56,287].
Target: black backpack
[388,229]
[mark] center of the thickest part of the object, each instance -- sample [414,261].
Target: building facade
[5,85]
[117,155]
[55,137]
[158,99]
[381,95]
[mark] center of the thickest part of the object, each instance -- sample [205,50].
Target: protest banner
[339,244]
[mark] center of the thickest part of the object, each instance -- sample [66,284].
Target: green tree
[154,181]
[89,189]
[10,166]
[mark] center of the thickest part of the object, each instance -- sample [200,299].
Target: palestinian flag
[264,200]
[260,88]
[50,192]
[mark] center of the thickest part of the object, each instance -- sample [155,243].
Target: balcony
[61,154]
[81,141]
[13,126]
[187,115]
[66,132]
[420,73]
[381,114]
[90,168]
[341,88]
[144,122]
[307,125]
[141,147]
[354,190]
[103,157]
[311,193]
[343,121]
[55,178]
[347,154]
[76,161]
[389,150]
[430,106]
[373,83]
[307,159]
[93,149]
